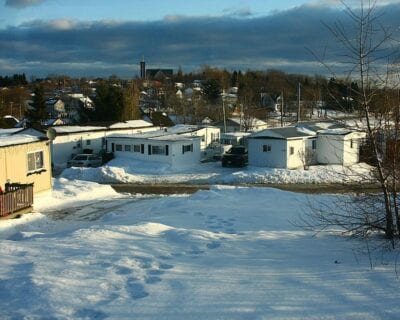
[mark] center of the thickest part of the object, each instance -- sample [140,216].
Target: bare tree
[130,96]
[368,52]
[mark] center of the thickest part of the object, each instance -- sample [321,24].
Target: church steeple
[142,69]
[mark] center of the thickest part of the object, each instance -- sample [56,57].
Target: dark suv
[235,157]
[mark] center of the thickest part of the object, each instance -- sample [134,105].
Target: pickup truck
[235,157]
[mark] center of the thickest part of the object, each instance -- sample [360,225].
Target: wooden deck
[16,198]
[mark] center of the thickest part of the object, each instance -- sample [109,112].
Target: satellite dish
[51,134]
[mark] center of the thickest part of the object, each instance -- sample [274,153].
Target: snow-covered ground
[125,170]
[227,253]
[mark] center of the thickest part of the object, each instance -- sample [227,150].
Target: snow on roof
[74,129]
[170,134]
[16,139]
[337,131]
[175,137]
[319,125]
[155,135]
[306,131]
[11,117]
[76,95]
[283,133]
[236,134]
[254,121]
[7,132]
[131,124]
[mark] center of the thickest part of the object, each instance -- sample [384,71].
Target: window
[187,148]
[291,150]
[266,148]
[88,142]
[127,148]
[351,143]
[203,138]
[314,144]
[118,147]
[35,161]
[136,148]
[159,150]
[214,137]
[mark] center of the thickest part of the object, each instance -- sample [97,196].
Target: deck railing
[16,197]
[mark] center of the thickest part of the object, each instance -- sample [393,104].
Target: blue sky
[100,38]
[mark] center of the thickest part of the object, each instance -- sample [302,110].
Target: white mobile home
[178,151]
[72,140]
[242,124]
[286,148]
[339,146]
[208,134]
[304,145]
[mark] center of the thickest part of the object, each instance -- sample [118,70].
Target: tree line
[14,80]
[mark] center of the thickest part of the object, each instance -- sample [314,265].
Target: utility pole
[223,109]
[282,109]
[298,103]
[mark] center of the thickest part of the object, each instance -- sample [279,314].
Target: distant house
[75,103]
[54,122]
[55,107]
[25,158]
[8,121]
[159,74]
[71,140]
[160,119]
[280,147]
[234,138]
[244,124]
[339,146]
[268,102]
[176,150]
[304,145]
[208,134]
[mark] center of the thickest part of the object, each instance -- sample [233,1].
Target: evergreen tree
[108,103]
[38,106]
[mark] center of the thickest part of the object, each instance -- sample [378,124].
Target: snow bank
[130,171]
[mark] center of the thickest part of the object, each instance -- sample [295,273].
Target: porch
[17,197]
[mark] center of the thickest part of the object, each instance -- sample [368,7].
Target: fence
[16,197]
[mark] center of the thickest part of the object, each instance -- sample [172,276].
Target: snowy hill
[227,253]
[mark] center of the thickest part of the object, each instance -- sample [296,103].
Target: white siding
[64,146]
[68,144]
[207,135]
[275,158]
[330,149]
[310,152]
[352,148]
[174,157]
[295,160]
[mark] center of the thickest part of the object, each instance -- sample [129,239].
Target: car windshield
[80,158]
[237,151]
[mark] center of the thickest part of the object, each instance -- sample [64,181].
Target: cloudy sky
[100,37]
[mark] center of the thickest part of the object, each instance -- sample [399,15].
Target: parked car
[235,157]
[85,160]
